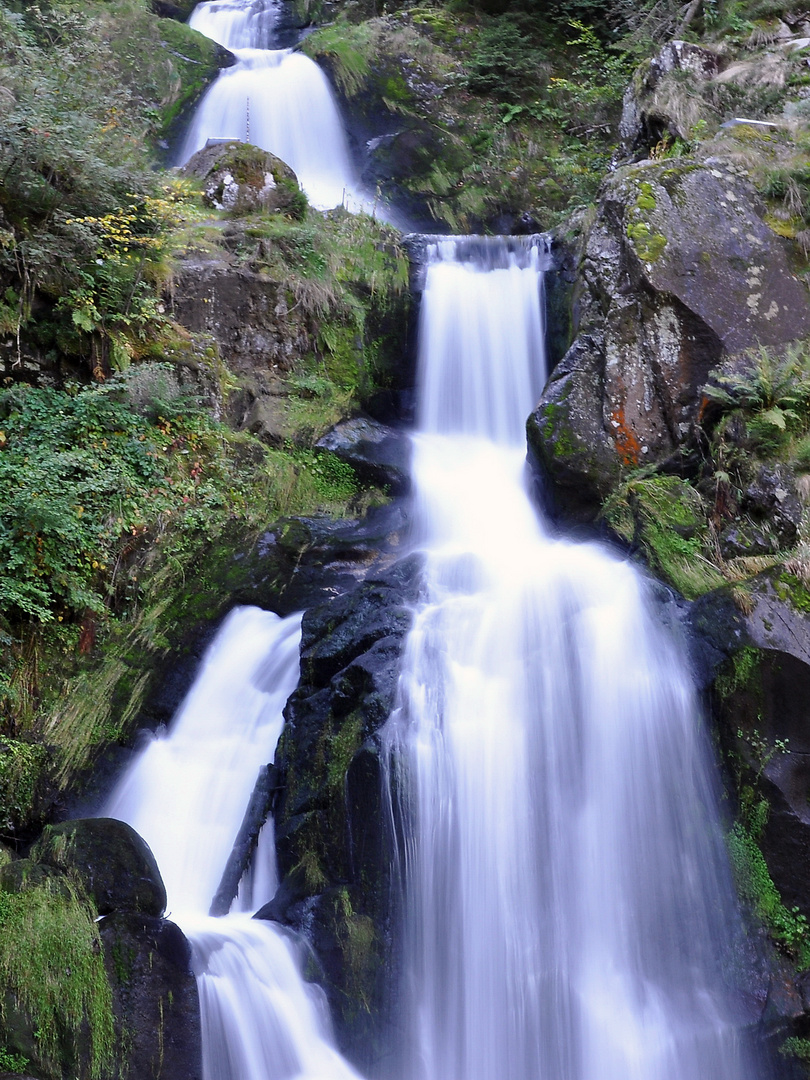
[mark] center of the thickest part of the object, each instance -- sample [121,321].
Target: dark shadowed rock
[155,1000]
[763,707]
[114,865]
[334,845]
[378,454]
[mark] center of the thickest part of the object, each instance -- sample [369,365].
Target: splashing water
[186,794]
[568,909]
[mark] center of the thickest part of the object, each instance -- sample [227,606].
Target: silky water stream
[567,908]
[277,99]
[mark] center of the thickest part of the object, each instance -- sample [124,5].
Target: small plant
[772,392]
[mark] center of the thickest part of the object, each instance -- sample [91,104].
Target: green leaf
[774,416]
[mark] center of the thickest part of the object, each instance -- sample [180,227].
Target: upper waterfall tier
[483,299]
[236,24]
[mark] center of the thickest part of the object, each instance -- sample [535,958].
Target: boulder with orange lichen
[678,272]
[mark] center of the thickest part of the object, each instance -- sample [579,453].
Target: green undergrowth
[704,529]
[496,113]
[52,970]
[117,502]
[666,518]
[756,888]
[86,224]
[346,276]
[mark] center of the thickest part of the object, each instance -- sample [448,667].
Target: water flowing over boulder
[677,272]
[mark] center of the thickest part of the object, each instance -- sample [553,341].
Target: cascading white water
[567,904]
[277,99]
[186,794]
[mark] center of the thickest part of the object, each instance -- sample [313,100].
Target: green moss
[646,197]
[347,48]
[739,673]
[792,589]
[648,244]
[343,745]
[51,967]
[668,519]
[559,434]
[755,886]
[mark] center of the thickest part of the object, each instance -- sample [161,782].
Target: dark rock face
[333,845]
[155,1001]
[648,114]
[378,454]
[773,512]
[764,713]
[147,958]
[678,272]
[243,179]
[113,864]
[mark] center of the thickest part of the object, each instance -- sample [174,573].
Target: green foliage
[83,220]
[756,888]
[13,1063]
[504,62]
[742,669]
[666,517]
[795,1047]
[772,393]
[21,768]
[51,967]
[346,47]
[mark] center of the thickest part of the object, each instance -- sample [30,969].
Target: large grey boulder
[678,273]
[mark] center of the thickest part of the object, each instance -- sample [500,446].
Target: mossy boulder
[678,273]
[164,63]
[113,864]
[242,179]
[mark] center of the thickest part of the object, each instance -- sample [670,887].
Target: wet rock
[678,272]
[243,179]
[763,709]
[378,454]
[113,864]
[155,1000]
[334,845]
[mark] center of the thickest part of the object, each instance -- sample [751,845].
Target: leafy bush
[772,392]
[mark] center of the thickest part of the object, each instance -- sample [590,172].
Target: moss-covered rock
[678,272]
[334,848]
[241,179]
[114,865]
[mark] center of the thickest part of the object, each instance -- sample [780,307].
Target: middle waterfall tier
[186,794]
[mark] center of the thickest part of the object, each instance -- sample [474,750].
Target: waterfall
[568,911]
[186,794]
[277,99]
